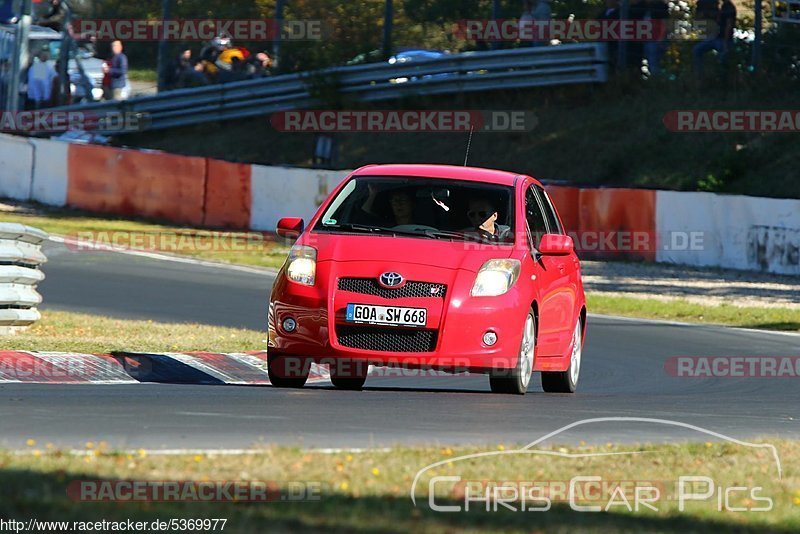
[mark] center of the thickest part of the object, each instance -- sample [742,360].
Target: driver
[401,204]
[483,219]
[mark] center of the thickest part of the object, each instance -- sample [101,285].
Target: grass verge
[143,75]
[61,331]
[682,310]
[369,491]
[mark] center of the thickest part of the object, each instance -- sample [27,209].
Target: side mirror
[555,245]
[290,227]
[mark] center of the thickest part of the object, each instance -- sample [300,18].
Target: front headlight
[495,278]
[302,264]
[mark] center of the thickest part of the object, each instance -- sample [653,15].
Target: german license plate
[387,315]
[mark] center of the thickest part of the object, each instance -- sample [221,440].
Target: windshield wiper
[356,228]
[445,234]
[431,234]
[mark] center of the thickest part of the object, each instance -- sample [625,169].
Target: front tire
[287,371]
[567,381]
[515,381]
[349,375]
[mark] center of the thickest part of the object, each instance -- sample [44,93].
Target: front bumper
[456,322]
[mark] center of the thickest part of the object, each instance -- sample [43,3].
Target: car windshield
[425,208]
[53,47]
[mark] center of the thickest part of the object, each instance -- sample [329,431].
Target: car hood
[440,253]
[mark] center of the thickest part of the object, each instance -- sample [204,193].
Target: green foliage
[710,183]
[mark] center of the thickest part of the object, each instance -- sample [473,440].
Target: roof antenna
[469,143]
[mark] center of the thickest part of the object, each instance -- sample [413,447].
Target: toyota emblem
[391,280]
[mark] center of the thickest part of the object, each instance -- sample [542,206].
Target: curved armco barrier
[137,182]
[20,260]
[702,229]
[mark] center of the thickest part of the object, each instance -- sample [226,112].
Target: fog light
[289,324]
[489,338]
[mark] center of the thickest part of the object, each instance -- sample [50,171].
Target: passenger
[483,220]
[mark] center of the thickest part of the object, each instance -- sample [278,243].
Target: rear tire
[288,371]
[349,375]
[515,381]
[567,381]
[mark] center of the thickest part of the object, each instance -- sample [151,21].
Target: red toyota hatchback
[430,267]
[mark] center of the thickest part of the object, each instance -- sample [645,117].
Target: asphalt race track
[623,375]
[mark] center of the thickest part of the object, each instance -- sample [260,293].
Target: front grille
[386,339]
[370,286]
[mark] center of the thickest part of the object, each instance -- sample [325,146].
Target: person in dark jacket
[721,36]
[117,70]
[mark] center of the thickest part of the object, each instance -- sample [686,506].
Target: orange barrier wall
[617,224]
[228,195]
[133,182]
[566,200]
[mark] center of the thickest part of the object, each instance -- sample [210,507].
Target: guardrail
[21,258]
[456,73]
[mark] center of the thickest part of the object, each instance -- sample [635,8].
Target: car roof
[36,32]
[452,172]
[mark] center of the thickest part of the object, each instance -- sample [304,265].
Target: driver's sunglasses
[482,214]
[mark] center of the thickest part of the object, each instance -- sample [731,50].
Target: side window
[533,214]
[549,212]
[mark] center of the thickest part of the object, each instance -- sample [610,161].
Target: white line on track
[696,325]
[165,257]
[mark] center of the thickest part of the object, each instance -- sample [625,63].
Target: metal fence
[471,71]
[21,259]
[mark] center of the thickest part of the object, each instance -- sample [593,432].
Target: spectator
[230,65]
[611,12]
[179,69]
[117,70]
[54,17]
[40,81]
[211,52]
[722,42]
[637,12]
[526,26]
[196,77]
[542,13]
[259,65]
[658,14]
